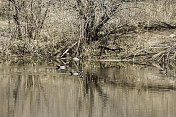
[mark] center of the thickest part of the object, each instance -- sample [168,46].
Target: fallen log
[70,47]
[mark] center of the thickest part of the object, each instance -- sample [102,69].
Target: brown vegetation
[87,28]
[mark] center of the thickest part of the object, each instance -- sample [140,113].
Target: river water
[101,90]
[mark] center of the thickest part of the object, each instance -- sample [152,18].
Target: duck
[76,73]
[61,67]
[163,71]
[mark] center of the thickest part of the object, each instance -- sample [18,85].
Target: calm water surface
[43,91]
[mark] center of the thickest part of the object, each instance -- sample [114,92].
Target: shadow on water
[101,90]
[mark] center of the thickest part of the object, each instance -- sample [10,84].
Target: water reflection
[105,90]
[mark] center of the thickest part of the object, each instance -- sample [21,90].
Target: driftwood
[108,48]
[103,48]
[70,47]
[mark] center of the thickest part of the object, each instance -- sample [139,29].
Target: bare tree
[28,17]
[94,15]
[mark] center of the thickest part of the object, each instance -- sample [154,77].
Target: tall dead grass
[62,24]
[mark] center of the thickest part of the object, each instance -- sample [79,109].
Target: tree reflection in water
[27,90]
[43,91]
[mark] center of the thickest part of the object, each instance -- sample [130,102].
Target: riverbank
[58,32]
[156,45]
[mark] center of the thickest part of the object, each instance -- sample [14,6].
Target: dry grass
[149,11]
[62,25]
